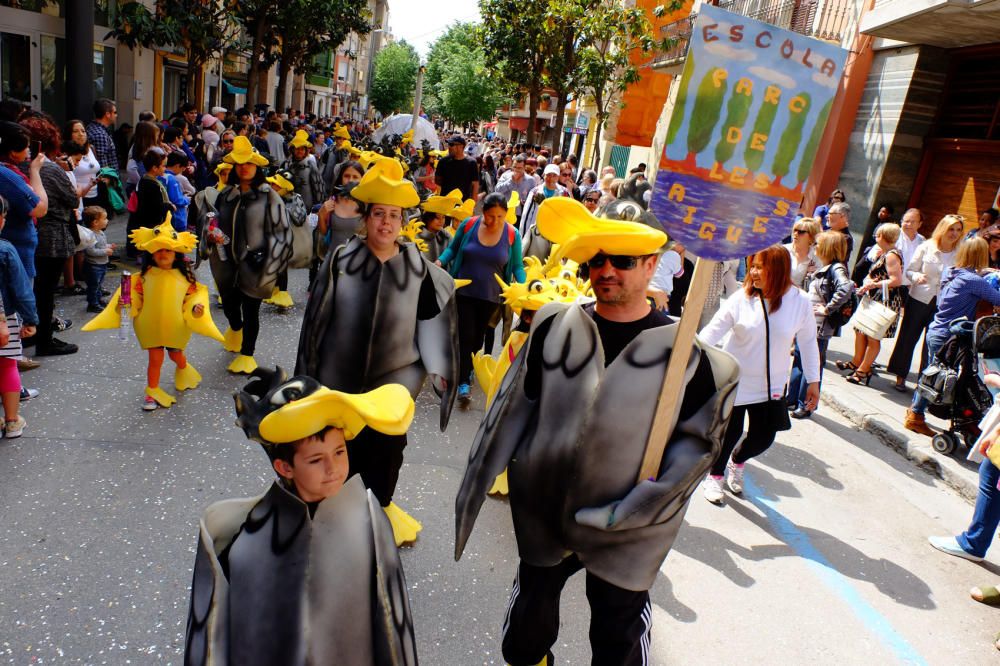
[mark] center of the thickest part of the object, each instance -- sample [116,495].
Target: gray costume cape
[302,233]
[574,443]
[307,181]
[370,323]
[322,590]
[259,249]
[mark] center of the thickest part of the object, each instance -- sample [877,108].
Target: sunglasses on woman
[619,261]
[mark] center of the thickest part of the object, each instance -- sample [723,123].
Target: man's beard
[612,298]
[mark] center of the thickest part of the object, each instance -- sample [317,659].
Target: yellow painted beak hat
[464,211]
[407,137]
[164,237]
[243,152]
[388,409]
[581,235]
[281,184]
[342,133]
[301,140]
[512,204]
[383,184]
[443,204]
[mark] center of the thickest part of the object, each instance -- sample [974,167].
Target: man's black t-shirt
[615,335]
[458,174]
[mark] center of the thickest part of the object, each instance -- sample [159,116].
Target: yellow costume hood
[581,235]
[300,140]
[243,152]
[383,184]
[164,237]
[443,204]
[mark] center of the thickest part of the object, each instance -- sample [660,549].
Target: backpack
[842,315]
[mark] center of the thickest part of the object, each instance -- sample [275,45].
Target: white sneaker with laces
[734,478]
[14,429]
[713,489]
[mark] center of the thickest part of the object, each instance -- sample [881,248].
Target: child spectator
[18,318]
[177,164]
[175,191]
[95,264]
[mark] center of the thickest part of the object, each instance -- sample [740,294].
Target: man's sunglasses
[620,261]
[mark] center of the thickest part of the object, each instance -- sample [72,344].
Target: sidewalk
[880,409]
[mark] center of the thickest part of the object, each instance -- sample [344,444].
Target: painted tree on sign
[791,138]
[736,117]
[706,111]
[753,155]
[677,116]
[809,155]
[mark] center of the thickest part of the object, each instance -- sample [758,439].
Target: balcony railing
[822,19]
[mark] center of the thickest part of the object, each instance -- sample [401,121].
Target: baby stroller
[952,385]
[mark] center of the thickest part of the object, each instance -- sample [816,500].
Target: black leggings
[377,458]
[48,270]
[620,619]
[242,312]
[917,316]
[760,436]
[282,284]
[474,316]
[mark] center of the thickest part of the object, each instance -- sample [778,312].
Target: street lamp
[417,96]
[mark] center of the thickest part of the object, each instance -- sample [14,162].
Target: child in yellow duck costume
[167,305]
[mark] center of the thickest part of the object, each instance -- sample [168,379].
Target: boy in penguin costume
[380,312]
[305,176]
[306,573]
[571,421]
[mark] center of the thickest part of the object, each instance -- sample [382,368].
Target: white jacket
[743,317]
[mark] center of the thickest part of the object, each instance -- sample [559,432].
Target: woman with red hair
[762,320]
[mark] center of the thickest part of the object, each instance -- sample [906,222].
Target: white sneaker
[713,489]
[734,478]
[14,429]
[148,404]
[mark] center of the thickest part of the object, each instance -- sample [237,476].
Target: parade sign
[751,110]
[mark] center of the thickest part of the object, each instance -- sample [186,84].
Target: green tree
[677,115]
[736,116]
[609,34]
[467,94]
[762,127]
[809,155]
[706,111]
[791,138]
[458,38]
[258,19]
[514,37]
[395,78]
[204,29]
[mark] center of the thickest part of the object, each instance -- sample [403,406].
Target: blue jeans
[94,275]
[919,403]
[796,381]
[977,537]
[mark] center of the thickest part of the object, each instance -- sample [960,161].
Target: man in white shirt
[670,265]
[910,239]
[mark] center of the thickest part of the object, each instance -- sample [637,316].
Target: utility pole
[80,59]
[417,97]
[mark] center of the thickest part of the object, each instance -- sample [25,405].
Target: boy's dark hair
[93,213]
[287,452]
[152,159]
[177,159]
[171,134]
[71,148]
[428,217]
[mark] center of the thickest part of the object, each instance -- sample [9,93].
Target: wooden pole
[669,403]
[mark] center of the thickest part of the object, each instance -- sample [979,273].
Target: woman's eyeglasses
[619,261]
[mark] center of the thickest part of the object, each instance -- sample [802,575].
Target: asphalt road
[824,561]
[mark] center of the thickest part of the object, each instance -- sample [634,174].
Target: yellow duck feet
[186,378]
[500,485]
[243,365]
[162,398]
[281,299]
[232,340]
[404,526]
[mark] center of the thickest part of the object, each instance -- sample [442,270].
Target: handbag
[873,318]
[777,408]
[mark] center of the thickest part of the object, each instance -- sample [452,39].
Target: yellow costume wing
[110,317]
[484,366]
[203,325]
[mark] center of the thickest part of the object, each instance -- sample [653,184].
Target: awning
[233,90]
[519,124]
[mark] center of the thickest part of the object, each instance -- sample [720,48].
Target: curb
[917,448]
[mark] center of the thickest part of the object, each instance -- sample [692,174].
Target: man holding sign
[572,421]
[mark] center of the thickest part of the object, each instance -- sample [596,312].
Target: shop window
[53,57]
[104,10]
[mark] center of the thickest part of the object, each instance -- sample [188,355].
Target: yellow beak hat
[301,140]
[164,237]
[464,211]
[443,204]
[383,183]
[275,410]
[281,184]
[581,235]
[243,152]
[512,204]
[342,133]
